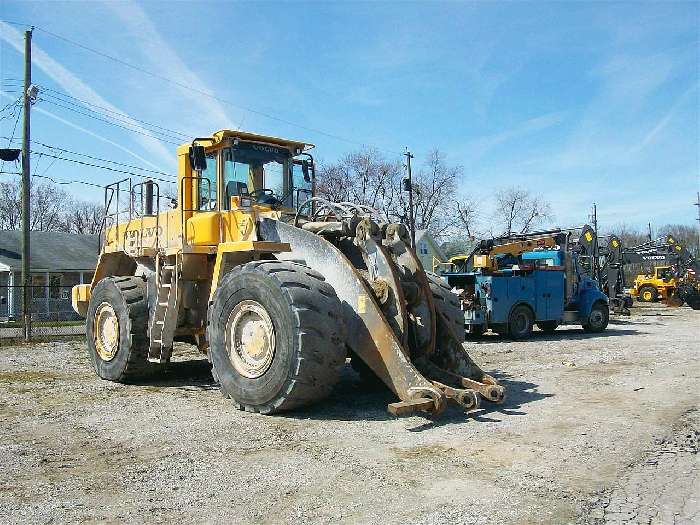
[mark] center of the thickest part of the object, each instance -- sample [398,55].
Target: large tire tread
[136,366]
[318,329]
[448,303]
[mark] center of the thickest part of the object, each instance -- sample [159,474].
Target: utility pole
[409,188]
[697,203]
[649,224]
[26,276]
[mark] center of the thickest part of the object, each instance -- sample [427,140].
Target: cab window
[207,185]
[250,167]
[238,177]
[301,188]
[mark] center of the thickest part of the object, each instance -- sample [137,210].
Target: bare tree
[686,234]
[83,218]
[434,187]
[10,206]
[362,177]
[47,206]
[628,234]
[467,215]
[519,211]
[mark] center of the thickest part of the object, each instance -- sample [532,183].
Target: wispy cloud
[664,121]
[167,62]
[79,89]
[476,149]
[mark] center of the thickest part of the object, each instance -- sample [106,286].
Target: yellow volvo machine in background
[275,291]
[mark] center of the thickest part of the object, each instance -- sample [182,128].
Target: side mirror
[306,170]
[198,159]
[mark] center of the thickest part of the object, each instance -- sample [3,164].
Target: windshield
[250,167]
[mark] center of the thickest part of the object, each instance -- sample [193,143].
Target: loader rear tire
[447,304]
[117,330]
[276,335]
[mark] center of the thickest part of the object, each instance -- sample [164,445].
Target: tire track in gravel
[663,487]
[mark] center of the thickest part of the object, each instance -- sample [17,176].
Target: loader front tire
[276,336]
[117,330]
[647,294]
[447,304]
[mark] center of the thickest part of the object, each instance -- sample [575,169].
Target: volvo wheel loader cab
[276,286]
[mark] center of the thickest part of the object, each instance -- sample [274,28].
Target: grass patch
[27,376]
[39,324]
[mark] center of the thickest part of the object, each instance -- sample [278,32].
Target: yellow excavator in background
[275,285]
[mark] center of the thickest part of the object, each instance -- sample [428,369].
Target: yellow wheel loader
[276,286]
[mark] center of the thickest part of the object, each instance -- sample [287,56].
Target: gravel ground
[595,429]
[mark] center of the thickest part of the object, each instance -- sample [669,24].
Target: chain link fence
[50,308]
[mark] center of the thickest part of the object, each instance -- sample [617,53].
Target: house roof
[52,251]
[425,235]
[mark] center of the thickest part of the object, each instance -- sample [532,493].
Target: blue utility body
[538,280]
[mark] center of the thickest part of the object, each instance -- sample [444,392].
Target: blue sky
[578,101]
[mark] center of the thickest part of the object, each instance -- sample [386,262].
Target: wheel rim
[106,332]
[250,339]
[596,318]
[647,295]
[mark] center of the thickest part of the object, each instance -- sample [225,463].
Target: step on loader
[278,287]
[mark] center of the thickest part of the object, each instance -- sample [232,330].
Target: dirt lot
[595,429]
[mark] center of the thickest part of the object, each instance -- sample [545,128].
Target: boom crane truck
[510,284]
[276,288]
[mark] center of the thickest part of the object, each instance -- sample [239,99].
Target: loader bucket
[391,320]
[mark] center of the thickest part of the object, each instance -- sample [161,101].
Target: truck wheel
[598,318]
[548,326]
[448,304]
[648,294]
[520,322]
[117,329]
[276,336]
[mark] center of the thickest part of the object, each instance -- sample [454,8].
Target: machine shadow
[189,374]
[562,335]
[518,393]
[356,400]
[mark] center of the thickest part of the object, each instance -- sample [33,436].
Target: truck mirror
[198,159]
[305,170]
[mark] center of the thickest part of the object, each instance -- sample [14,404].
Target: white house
[57,262]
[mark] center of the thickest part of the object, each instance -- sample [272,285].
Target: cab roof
[220,136]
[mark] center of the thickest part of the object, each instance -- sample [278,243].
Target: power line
[83,163]
[63,150]
[203,92]
[92,157]
[109,122]
[73,181]
[61,95]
